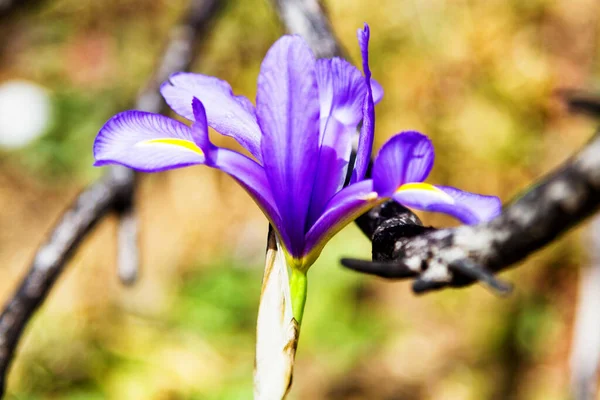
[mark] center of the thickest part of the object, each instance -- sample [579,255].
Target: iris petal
[287,105]
[343,208]
[365,139]
[146,142]
[249,174]
[377,91]
[406,157]
[227,113]
[469,208]
[334,155]
[341,93]
[342,90]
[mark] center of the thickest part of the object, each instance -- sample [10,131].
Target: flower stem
[298,283]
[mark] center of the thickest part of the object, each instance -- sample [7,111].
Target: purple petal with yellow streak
[406,157]
[469,208]
[146,142]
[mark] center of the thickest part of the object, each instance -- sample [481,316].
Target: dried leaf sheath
[276,329]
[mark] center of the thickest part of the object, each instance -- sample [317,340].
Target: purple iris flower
[299,136]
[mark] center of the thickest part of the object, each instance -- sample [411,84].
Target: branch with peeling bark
[438,258]
[112,193]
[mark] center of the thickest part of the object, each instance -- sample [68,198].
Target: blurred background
[479,77]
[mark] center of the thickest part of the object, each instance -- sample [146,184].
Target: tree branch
[308,19]
[460,256]
[112,193]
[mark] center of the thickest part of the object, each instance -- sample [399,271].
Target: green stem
[298,291]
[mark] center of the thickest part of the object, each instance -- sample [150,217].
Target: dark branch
[581,102]
[113,193]
[459,256]
[8,8]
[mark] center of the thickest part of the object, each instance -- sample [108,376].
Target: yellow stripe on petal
[420,186]
[186,144]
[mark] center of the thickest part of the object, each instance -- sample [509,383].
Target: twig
[547,209]
[113,192]
[8,7]
[581,101]
[128,259]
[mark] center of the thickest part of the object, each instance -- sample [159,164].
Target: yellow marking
[186,144]
[425,187]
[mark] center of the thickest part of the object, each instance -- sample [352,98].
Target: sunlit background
[479,77]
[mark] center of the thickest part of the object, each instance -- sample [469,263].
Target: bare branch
[307,18]
[9,7]
[548,208]
[114,192]
[127,249]
[580,101]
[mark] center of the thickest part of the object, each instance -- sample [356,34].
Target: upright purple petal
[406,157]
[249,174]
[365,140]
[334,154]
[377,91]
[341,92]
[146,142]
[227,113]
[343,208]
[287,104]
[470,208]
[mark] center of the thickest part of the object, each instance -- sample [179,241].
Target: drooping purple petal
[287,104]
[146,142]
[365,140]
[227,113]
[253,179]
[469,208]
[406,157]
[343,208]
[249,174]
